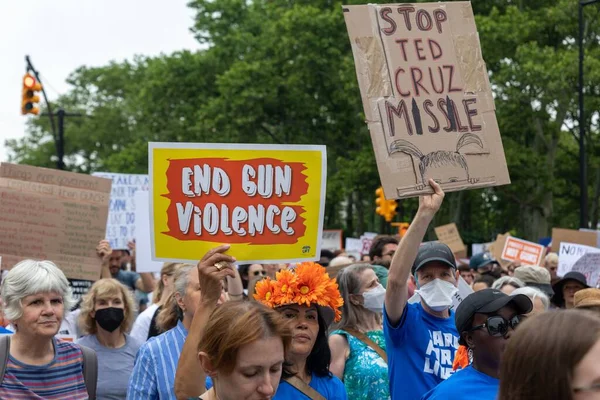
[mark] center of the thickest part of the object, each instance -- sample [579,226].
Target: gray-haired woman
[36,295]
[357,345]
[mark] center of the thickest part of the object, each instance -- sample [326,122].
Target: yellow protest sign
[266,201]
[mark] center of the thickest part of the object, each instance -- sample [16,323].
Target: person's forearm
[148,282]
[408,249]
[105,271]
[190,377]
[235,287]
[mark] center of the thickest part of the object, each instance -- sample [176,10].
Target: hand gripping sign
[267,201]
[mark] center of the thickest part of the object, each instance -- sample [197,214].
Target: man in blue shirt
[485,320]
[421,338]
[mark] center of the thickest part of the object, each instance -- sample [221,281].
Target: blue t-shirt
[4,330]
[329,387]
[420,350]
[127,278]
[466,384]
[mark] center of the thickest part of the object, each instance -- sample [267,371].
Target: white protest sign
[353,247]
[331,239]
[366,240]
[569,254]
[477,248]
[589,266]
[120,226]
[143,243]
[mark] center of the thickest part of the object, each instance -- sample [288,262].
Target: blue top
[4,330]
[420,350]
[365,372]
[127,278]
[329,387]
[466,384]
[153,376]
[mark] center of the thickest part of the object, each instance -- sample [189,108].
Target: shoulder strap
[90,371]
[4,353]
[153,329]
[304,388]
[365,339]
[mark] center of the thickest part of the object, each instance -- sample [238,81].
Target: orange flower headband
[306,284]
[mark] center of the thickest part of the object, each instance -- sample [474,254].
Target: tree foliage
[282,72]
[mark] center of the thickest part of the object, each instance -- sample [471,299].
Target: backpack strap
[304,388]
[366,340]
[90,371]
[4,354]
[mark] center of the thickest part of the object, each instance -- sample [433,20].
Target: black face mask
[110,318]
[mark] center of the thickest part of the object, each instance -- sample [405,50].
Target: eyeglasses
[498,326]
[256,273]
[593,388]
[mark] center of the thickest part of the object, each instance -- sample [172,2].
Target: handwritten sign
[332,239]
[527,253]
[267,201]
[449,235]
[120,227]
[52,215]
[366,240]
[426,96]
[589,266]
[143,240]
[560,235]
[570,253]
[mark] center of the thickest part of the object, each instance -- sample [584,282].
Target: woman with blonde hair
[357,343]
[107,312]
[145,325]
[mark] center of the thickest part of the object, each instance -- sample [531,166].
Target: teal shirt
[365,373]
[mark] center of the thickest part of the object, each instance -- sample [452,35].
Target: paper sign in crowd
[267,201]
[581,258]
[528,253]
[426,96]
[120,227]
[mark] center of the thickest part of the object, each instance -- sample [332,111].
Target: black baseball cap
[487,301]
[433,251]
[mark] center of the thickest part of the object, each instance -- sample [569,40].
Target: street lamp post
[583,195]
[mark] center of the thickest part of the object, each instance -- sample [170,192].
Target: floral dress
[366,373]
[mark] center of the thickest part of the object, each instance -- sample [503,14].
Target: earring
[470,355]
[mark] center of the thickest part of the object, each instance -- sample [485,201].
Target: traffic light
[402,228]
[385,208]
[29,99]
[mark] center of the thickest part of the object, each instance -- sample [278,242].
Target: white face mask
[437,294]
[374,298]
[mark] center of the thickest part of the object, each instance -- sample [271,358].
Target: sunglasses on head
[498,326]
[256,273]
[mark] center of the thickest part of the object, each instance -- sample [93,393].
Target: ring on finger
[220,265]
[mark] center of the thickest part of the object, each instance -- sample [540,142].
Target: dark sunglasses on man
[490,301]
[497,326]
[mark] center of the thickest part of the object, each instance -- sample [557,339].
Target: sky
[62,35]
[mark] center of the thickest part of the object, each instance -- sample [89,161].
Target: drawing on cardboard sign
[437,164]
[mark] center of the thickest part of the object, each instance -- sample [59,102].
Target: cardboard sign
[143,241]
[573,236]
[570,253]
[332,239]
[449,235]
[528,253]
[597,232]
[52,215]
[497,247]
[120,227]
[426,96]
[267,201]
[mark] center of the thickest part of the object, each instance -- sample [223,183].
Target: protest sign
[332,239]
[353,247]
[143,241]
[589,266]
[497,247]
[477,248]
[527,253]
[572,236]
[120,227]
[426,96]
[597,232]
[449,235]
[52,215]
[366,239]
[570,253]
[267,201]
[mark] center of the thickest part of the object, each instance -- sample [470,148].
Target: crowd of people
[382,327]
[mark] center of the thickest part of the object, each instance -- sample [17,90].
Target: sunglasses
[256,273]
[498,326]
